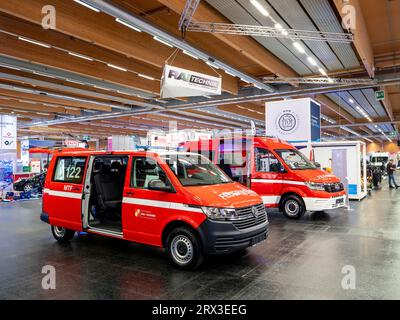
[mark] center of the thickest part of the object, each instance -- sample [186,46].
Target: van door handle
[130,193]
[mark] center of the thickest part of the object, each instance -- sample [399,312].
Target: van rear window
[69,169]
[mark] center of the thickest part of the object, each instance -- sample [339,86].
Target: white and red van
[276,170]
[179,201]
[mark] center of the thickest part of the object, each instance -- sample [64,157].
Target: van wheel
[28,187]
[61,234]
[184,249]
[293,207]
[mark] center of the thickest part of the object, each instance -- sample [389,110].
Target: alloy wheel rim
[59,231]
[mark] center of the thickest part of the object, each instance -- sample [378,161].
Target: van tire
[293,207]
[184,248]
[62,234]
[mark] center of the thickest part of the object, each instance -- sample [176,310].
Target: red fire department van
[276,170]
[179,201]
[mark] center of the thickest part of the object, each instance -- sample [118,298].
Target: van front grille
[250,216]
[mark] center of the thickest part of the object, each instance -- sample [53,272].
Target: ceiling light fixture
[190,55]
[145,76]
[34,42]
[9,67]
[79,56]
[299,47]
[87,5]
[312,61]
[163,42]
[322,71]
[126,24]
[116,67]
[260,8]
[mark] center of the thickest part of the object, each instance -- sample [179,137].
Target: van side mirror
[318,165]
[282,169]
[158,185]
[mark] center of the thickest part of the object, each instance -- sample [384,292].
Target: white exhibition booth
[346,159]
[298,121]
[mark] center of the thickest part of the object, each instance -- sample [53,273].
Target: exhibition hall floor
[300,260]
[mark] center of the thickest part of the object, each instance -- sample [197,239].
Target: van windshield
[195,170]
[295,159]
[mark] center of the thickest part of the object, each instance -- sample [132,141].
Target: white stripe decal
[299,183]
[63,194]
[160,204]
[271,199]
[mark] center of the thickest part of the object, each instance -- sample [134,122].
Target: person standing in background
[391,168]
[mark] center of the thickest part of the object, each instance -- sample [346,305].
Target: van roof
[270,142]
[85,152]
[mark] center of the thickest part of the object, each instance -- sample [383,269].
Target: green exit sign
[380,95]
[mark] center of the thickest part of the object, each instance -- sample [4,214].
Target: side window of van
[266,161]
[144,170]
[69,169]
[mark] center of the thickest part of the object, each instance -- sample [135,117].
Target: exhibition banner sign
[178,82]
[297,120]
[8,132]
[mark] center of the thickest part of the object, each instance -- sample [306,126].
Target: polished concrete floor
[300,260]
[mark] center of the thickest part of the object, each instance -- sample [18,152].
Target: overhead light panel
[312,61]
[260,8]
[87,5]
[322,71]
[278,26]
[299,47]
[79,56]
[126,24]
[351,100]
[116,67]
[34,42]
[9,67]
[190,55]
[145,76]
[212,65]
[163,42]
[230,73]
[43,74]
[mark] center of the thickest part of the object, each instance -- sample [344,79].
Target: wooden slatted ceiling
[102,30]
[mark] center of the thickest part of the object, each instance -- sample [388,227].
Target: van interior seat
[109,195]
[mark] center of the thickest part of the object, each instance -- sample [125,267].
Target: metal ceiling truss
[269,32]
[187,14]
[145,26]
[328,81]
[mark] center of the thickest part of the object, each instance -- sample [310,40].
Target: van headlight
[219,213]
[315,186]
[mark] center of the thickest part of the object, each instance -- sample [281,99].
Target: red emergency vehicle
[179,201]
[276,170]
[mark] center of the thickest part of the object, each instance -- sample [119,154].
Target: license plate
[258,239]
[339,201]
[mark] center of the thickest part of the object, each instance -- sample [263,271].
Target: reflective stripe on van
[160,204]
[64,194]
[299,183]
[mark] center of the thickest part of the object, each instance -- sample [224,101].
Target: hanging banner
[178,82]
[8,132]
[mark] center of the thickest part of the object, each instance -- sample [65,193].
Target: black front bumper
[44,217]
[220,237]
